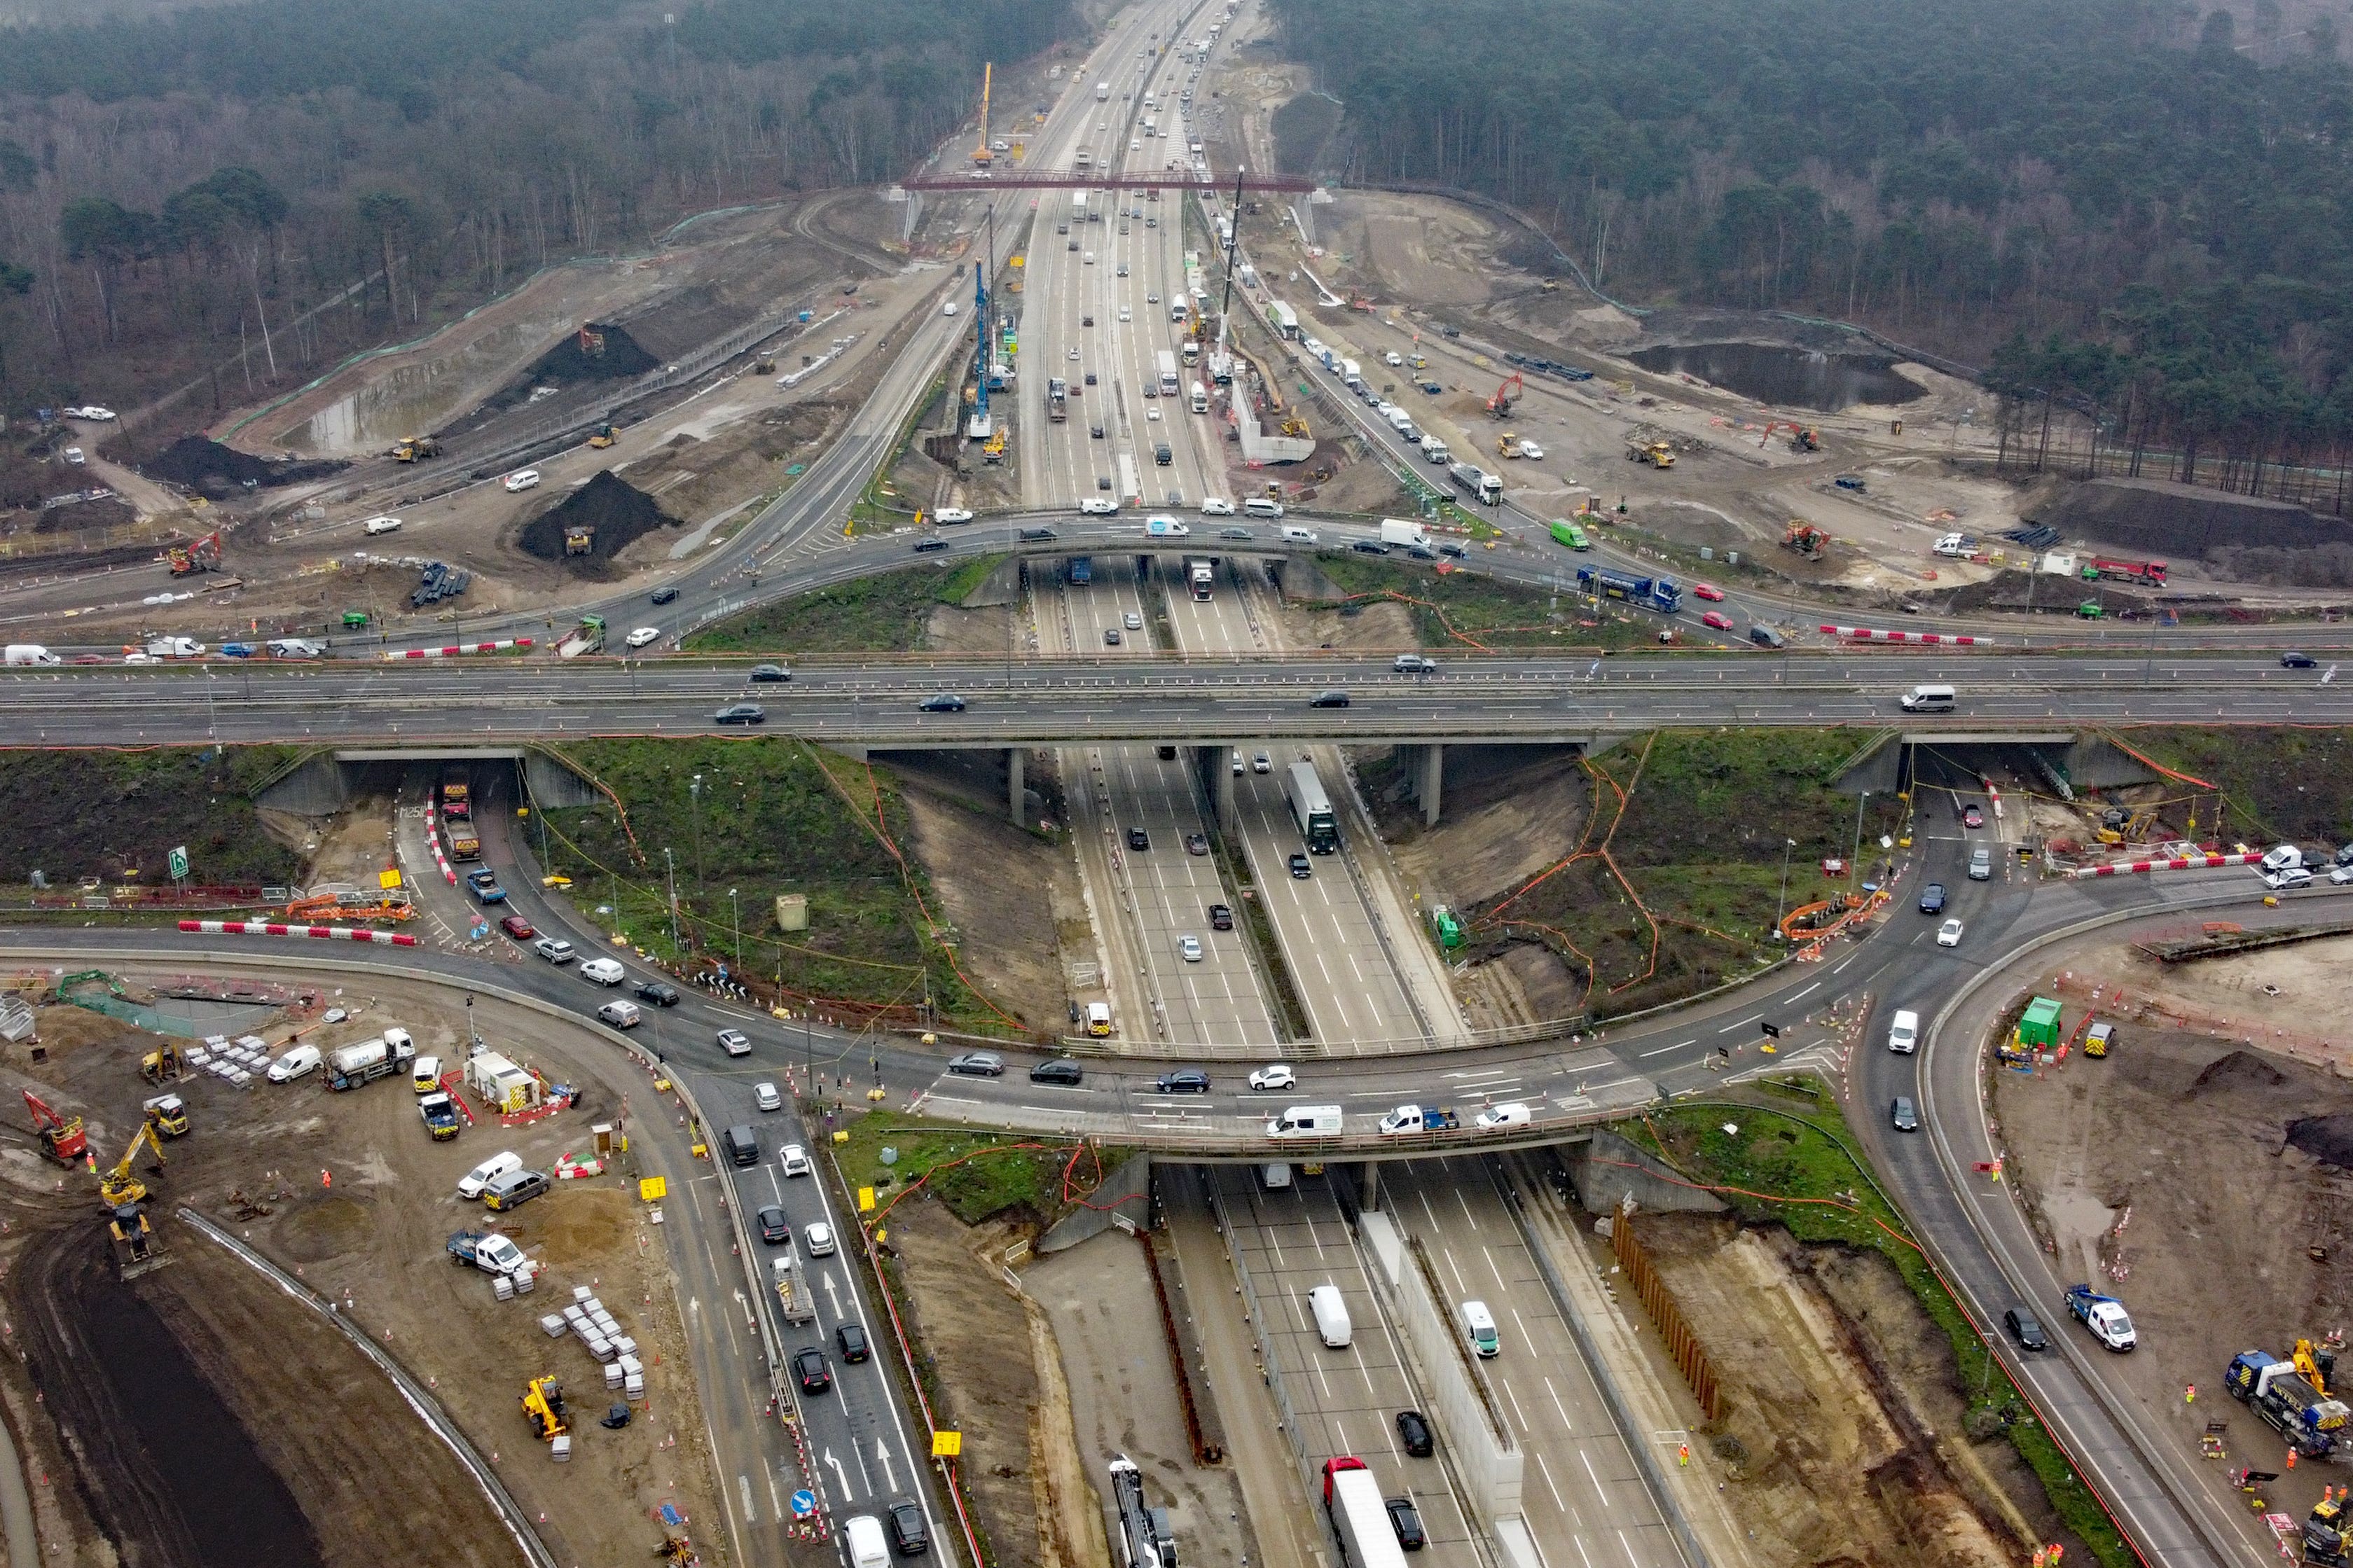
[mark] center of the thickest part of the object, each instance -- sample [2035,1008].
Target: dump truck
[465,843]
[440,1114]
[1657,454]
[1058,400]
[457,796]
[588,636]
[2103,1315]
[411,448]
[349,1067]
[2288,1402]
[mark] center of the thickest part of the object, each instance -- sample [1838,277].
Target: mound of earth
[2327,1139]
[2164,517]
[107,512]
[597,351]
[2239,1070]
[616,513]
[206,465]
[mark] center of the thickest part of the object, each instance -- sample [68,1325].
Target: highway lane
[1108,700]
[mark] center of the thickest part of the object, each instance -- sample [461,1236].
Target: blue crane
[980,342]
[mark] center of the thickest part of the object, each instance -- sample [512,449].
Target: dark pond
[1775,374]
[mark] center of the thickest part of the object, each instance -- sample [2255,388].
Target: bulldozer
[543,1407]
[1508,446]
[411,448]
[579,541]
[196,556]
[604,438]
[1658,453]
[163,1064]
[118,1187]
[1805,539]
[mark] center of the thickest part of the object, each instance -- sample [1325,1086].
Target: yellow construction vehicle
[1509,446]
[993,450]
[982,156]
[118,1186]
[168,1115]
[135,1241]
[1549,286]
[196,556]
[604,436]
[2306,1357]
[543,1406]
[409,448]
[1658,453]
[163,1065]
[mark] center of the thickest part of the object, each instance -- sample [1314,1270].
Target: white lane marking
[1662,1050]
[1741,1025]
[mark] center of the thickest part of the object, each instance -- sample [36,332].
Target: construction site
[251,1228]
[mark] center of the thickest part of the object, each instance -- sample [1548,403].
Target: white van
[1275,1177]
[1928,699]
[1904,1034]
[620,1014]
[1099,1019]
[603,971]
[294,1064]
[1331,1316]
[1293,534]
[31,653]
[1479,1328]
[376,525]
[867,1548]
[1307,1121]
[425,1075]
[471,1183]
[1258,506]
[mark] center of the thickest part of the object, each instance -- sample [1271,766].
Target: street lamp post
[1856,862]
[695,793]
[1783,909]
[670,870]
[735,914]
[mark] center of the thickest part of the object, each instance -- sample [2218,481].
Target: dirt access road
[348,1191]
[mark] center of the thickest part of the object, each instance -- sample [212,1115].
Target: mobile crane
[981,156]
[61,1136]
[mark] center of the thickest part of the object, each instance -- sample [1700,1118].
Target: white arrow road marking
[751,1515]
[831,1294]
[842,1476]
[746,1302]
[890,1477]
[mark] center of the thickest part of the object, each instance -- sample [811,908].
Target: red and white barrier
[1874,634]
[268,927]
[452,650]
[2184,863]
[433,842]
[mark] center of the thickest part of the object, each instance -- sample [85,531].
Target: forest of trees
[302,177]
[2143,211]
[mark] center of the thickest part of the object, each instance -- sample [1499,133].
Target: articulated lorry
[1058,400]
[1660,593]
[1353,1500]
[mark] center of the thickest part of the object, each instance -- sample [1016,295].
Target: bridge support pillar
[1221,772]
[1014,758]
[1425,769]
[1368,1190]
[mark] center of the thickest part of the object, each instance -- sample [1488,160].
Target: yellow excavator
[118,1187]
[163,1065]
[2307,1364]
[543,1406]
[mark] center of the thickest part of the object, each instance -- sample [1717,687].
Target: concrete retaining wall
[1486,1459]
[318,787]
[1607,1168]
[1126,1193]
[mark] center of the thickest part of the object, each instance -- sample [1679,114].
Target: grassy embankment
[772,815]
[105,814]
[1821,1191]
[1699,824]
[888,613]
[2276,784]
[977,1174]
[1461,611]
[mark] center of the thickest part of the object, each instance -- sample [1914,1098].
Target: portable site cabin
[2039,1029]
[504,1086]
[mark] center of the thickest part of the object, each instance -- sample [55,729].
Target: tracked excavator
[61,1136]
[118,1189]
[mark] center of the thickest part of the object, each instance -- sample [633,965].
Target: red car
[518,927]
[1706,590]
[1717,620]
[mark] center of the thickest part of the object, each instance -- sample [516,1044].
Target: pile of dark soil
[598,351]
[85,515]
[206,465]
[2241,1070]
[2327,1139]
[616,513]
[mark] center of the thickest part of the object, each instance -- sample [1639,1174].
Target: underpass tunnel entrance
[2066,793]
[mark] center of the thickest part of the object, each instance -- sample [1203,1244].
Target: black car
[741,714]
[773,1229]
[1059,1070]
[663,596]
[926,546]
[943,702]
[810,1367]
[1091,378]
[2296,661]
[851,1338]
[1901,1115]
[764,672]
[1329,699]
[1038,534]
[1300,867]
[660,993]
[1369,547]
[977,1064]
[1221,918]
[1413,1431]
[1110,637]
[2025,1330]
[1138,839]
[909,1536]
[1932,898]
[1407,1521]
[1095,431]
[1448,547]
[1184,1080]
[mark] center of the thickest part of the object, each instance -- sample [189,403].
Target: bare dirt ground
[2166,1174]
[346,850]
[989,874]
[1099,1298]
[357,1199]
[1840,1423]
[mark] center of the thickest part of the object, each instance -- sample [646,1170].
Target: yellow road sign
[653,1189]
[947,1445]
[866,1200]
